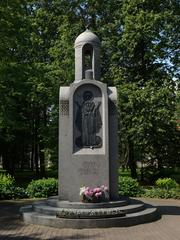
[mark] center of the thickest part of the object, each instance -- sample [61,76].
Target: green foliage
[166,188]
[43,187]
[8,190]
[147,90]
[129,187]
[6,181]
[139,55]
[162,193]
[166,183]
[18,192]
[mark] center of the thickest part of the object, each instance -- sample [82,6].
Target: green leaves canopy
[139,55]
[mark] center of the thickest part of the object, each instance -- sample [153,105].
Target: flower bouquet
[94,195]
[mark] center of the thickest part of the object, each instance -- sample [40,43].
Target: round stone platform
[64,214]
[54,202]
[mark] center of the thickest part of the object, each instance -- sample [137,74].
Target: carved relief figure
[88,121]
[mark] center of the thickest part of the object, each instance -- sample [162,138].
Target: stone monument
[88,146]
[88,152]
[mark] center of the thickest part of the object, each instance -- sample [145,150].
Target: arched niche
[87,53]
[87,117]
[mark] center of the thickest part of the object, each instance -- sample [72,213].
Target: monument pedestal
[88,146]
[64,214]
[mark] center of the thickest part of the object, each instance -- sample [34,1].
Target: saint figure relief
[88,121]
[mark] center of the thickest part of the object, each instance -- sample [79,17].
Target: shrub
[157,193]
[43,187]
[6,180]
[162,193]
[19,192]
[129,187]
[8,190]
[6,185]
[166,183]
[175,193]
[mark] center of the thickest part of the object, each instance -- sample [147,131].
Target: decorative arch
[87,53]
[87,117]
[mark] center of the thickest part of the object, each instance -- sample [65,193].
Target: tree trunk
[36,145]
[32,157]
[131,162]
[42,160]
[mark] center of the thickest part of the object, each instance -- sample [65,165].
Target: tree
[144,70]
[12,84]
[139,56]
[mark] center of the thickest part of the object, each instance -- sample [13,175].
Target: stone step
[147,215]
[84,213]
[54,202]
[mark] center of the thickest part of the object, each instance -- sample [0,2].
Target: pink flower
[91,194]
[96,190]
[98,194]
[86,193]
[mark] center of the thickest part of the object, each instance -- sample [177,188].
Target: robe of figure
[88,121]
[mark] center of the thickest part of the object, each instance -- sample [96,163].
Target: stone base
[64,214]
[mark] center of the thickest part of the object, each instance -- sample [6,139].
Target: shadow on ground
[10,217]
[169,210]
[39,236]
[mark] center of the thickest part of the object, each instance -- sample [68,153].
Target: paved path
[167,228]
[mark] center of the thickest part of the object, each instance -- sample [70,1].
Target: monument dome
[87,56]
[87,37]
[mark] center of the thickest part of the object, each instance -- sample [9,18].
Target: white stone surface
[87,37]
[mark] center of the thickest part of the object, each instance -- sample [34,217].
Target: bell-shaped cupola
[87,60]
